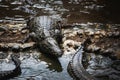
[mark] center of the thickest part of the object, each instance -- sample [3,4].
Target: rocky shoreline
[100,52]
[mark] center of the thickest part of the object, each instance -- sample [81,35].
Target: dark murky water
[75,11]
[36,65]
[40,67]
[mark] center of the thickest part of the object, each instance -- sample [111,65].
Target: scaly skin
[76,69]
[4,75]
[41,35]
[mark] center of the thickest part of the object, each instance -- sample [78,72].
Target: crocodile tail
[76,69]
[5,75]
[16,61]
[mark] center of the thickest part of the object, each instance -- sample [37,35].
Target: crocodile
[40,33]
[75,66]
[4,75]
[76,69]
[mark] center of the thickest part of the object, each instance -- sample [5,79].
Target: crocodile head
[50,46]
[45,41]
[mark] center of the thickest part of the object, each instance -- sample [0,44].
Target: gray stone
[3,55]
[3,28]
[24,31]
[16,48]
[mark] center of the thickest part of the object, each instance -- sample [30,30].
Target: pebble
[24,31]
[96,36]
[27,46]
[1,33]
[16,48]
[14,31]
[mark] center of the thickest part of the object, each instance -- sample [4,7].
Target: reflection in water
[38,66]
[75,11]
[6,66]
[53,64]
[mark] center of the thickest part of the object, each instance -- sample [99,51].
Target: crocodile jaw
[50,46]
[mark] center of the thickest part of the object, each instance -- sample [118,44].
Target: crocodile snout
[50,46]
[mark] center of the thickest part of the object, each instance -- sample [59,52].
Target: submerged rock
[16,48]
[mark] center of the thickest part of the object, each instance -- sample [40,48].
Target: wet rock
[16,2]
[89,49]
[97,49]
[91,33]
[70,46]
[71,43]
[24,31]
[80,32]
[3,47]
[97,32]
[68,43]
[103,32]
[110,50]
[72,34]
[109,34]
[59,2]
[1,33]
[27,46]
[3,28]
[14,31]
[116,34]
[3,55]
[96,36]
[75,28]
[16,48]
